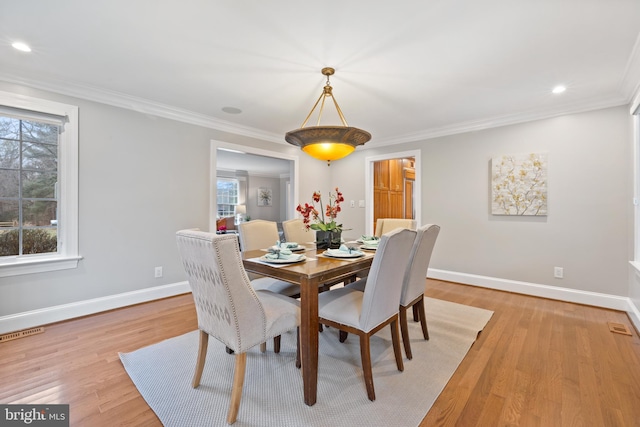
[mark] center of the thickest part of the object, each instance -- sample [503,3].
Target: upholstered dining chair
[295,231]
[227,307]
[365,313]
[413,283]
[385,225]
[413,286]
[261,234]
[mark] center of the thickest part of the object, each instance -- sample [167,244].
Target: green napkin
[281,254]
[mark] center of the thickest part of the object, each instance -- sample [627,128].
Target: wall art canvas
[264,196]
[519,184]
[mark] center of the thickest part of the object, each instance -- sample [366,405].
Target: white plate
[282,260]
[335,253]
[369,247]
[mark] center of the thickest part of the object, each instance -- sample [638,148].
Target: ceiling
[405,70]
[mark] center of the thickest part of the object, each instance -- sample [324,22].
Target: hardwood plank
[537,363]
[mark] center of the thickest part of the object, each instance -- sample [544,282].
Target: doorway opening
[393,187]
[287,187]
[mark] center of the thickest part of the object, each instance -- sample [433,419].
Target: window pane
[39,132]
[9,183]
[9,154]
[39,241]
[38,212]
[41,185]
[9,242]
[40,156]
[9,212]
[9,128]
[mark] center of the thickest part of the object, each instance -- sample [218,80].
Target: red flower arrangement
[309,212]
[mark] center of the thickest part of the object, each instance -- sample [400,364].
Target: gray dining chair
[413,284]
[365,313]
[227,307]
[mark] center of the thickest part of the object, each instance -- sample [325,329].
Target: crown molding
[499,121]
[141,105]
[628,86]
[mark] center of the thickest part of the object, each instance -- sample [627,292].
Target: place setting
[343,252]
[283,253]
[368,243]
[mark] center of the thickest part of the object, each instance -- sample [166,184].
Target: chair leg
[423,318]
[404,329]
[365,355]
[343,336]
[416,314]
[263,347]
[298,361]
[276,344]
[202,355]
[236,391]
[395,337]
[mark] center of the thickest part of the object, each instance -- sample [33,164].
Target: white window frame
[67,255]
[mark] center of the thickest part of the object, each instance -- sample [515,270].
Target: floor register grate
[619,328]
[20,334]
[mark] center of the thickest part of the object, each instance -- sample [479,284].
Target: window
[38,185]
[227,194]
[28,179]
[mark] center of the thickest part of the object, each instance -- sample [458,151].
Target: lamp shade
[241,209]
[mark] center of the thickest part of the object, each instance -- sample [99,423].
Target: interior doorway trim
[368,184]
[292,196]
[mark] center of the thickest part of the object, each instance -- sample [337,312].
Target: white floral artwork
[264,196]
[519,184]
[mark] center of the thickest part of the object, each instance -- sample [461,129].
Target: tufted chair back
[226,304]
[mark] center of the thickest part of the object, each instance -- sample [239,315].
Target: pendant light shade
[327,142]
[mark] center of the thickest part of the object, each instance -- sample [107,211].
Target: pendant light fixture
[327,142]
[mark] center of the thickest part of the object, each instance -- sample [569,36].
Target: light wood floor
[537,363]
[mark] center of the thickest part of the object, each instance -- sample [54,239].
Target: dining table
[316,269]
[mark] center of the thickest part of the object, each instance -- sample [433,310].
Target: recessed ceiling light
[559,89]
[231,110]
[21,46]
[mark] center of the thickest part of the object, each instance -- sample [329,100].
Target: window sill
[38,265]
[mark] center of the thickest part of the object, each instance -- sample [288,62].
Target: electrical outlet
[361,203]
[353,203]
[158,272]
[558,272]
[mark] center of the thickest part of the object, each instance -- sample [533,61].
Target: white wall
[589,225]
[141,179]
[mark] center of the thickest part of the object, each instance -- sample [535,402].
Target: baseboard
[31,319]
[614,302]
[44,316]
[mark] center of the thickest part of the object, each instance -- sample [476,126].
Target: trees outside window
[28,180]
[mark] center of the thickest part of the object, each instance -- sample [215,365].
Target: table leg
[309,339]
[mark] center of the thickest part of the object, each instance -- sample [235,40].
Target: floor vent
[20,334]
[619,328]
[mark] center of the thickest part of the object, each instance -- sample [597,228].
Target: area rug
[272,394]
